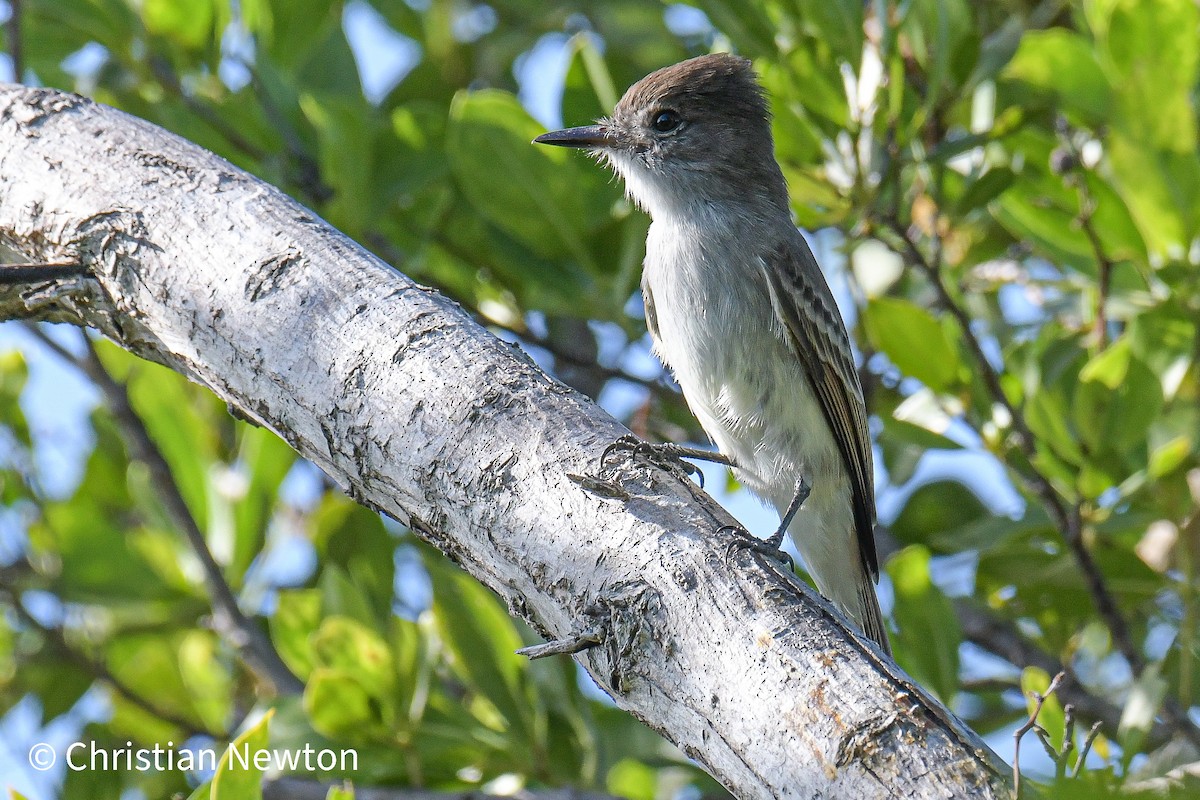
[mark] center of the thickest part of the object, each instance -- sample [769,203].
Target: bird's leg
[666,455]
[798,497]
[771,545]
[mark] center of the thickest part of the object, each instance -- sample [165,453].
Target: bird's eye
[666,120]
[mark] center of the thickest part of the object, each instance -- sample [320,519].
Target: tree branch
[1030,724]
[300,789]
[239,631]
[1066,516]
[100,671]
[418,412]
[1071,167]
[15,51]
[1001,638]
[32,273]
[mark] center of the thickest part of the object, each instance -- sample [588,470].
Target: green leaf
[1117,400]
[1050,384]
[1163,338]
[188,22]
[411,160]
[98,561]
[1161,190]
[1039,207]
[340,706]
[265,460]
[745,23]
[482,638]
[588,91]
[913,340]
[297,615]
[341,595]
[944,41]
[148,663]
[353,539]
[346,645]
[548,198]
[1150,53]
[905,443]
[935,510]
[183,423]
[1141,707]
[927,644]
[242,779]
[1168,457]
[347,131]
[204,671]
[13,375]
[291,29]
[58,686]
[632,779]
[1120,238]
[1063,64]
[839,25]
[984,189]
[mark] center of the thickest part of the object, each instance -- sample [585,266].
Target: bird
[739,311]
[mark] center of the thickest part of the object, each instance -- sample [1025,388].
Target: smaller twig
[1043,736]
[288,787]
[1087,746]
[1038,701]
[558,647]
[15,51]
[1067,517]
[1070,166]
[254,646]
[35,273]
[165,74]
[1002,638]
[600,487]
[57,639]
[1060,760]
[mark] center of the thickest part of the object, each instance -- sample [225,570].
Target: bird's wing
[651,314]
[817,336]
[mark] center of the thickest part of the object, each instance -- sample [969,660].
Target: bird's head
[696,132]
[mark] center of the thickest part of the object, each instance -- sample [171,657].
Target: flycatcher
[739,311]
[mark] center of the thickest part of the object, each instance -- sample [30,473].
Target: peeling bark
[418,412]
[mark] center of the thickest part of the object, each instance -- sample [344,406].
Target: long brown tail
[868,616]
[853,592]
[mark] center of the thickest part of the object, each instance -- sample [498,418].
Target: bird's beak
[587,136]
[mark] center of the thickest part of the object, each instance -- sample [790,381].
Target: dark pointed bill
[587,136]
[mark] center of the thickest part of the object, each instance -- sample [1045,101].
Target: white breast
[721,339]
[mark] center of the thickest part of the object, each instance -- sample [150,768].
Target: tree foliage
[1009,195]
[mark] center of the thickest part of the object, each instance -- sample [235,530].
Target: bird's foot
[666,455]
[770,547]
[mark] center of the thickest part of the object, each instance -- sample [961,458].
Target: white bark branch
[418,412]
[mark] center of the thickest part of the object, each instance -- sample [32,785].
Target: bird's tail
[848,586]
[867,614]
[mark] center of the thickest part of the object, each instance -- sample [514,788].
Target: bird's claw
[661,455]
[742,539]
